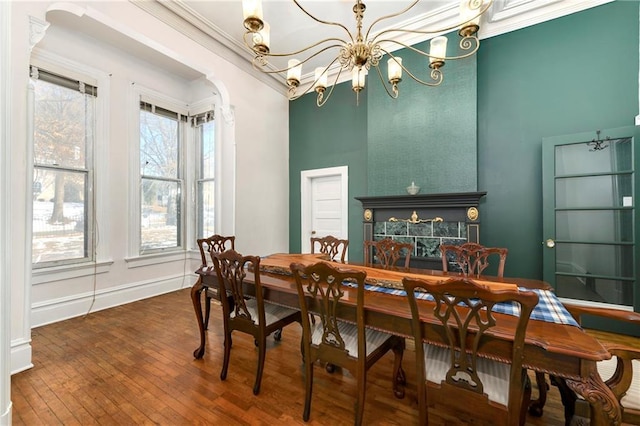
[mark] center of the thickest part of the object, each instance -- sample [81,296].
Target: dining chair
[452,373]
[208,246]
[621,373]
[331,246]
[387,252]
[354,347]
[471,258]
[247,313]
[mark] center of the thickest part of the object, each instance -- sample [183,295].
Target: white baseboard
[20,356]
[60,309]
[5,418]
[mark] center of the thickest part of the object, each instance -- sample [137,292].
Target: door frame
[306,179]
[548,194]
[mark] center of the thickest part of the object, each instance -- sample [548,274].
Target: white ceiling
[217,24]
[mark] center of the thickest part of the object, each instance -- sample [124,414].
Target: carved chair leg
[207,309]
[196,292]
[399,379]
[227,355]
[308,386]
[262,349]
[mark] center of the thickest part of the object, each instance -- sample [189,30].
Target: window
[64,124]
[205,136]
[161,183]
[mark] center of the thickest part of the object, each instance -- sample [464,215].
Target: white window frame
[136,258]
[101,255]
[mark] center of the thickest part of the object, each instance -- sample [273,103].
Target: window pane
[581,159]
[595,259]
[595,289]
[158,145]
[206,211]
[63,123]
[59,216]
[160,215]
[208,158]
[595,225]
[594,191]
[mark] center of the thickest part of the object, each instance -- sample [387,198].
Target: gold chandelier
[357,53]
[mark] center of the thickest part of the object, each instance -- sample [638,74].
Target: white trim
[55,310]
[66,272]
[306,176]
[100,186]
[580,302]
[6,360]
[157,258]
[20,355]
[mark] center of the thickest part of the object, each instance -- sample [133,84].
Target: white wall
[255,123]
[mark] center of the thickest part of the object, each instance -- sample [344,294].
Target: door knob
[550,243]
[313,232]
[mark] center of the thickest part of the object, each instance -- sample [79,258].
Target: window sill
[65,272]
[159,258]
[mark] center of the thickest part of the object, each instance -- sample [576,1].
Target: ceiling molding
[183,19]
[504,16]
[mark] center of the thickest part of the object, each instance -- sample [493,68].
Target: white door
[324,204]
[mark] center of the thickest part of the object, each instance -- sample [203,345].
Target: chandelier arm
[393,15]
[337,24]
[471,42]
[326,40]
[311,87]
[427,32]
[436,74]
[394,88]
[261,60]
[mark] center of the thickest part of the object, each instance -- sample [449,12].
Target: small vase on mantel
[413,189]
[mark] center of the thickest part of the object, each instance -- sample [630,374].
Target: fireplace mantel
[453,199]
[428,219]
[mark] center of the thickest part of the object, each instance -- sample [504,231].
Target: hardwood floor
[134,364]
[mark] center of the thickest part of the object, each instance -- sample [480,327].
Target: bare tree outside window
[161,184]
[63,137]
[206,180]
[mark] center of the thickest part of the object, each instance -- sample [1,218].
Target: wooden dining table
[561,350]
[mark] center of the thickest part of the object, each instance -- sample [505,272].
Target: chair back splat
[471,258]
[387,252]
[339,343]
[247,312]
[333,247]
[214,244]
[454,374]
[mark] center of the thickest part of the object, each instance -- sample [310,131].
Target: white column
[5,282]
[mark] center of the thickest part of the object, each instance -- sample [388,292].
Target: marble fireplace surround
[416,219]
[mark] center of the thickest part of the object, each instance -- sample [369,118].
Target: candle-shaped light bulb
[469,15]
[394,68]
[438,49]
[358,78]
[294,70]
[321,78]
[252,9]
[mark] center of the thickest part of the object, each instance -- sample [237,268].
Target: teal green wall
[334,135]
[574,74]
[412,137]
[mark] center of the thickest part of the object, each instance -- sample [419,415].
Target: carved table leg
[536,406]
[196,292]
[567,396]
[605,408]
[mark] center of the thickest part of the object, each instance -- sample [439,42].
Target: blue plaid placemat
[548,309]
